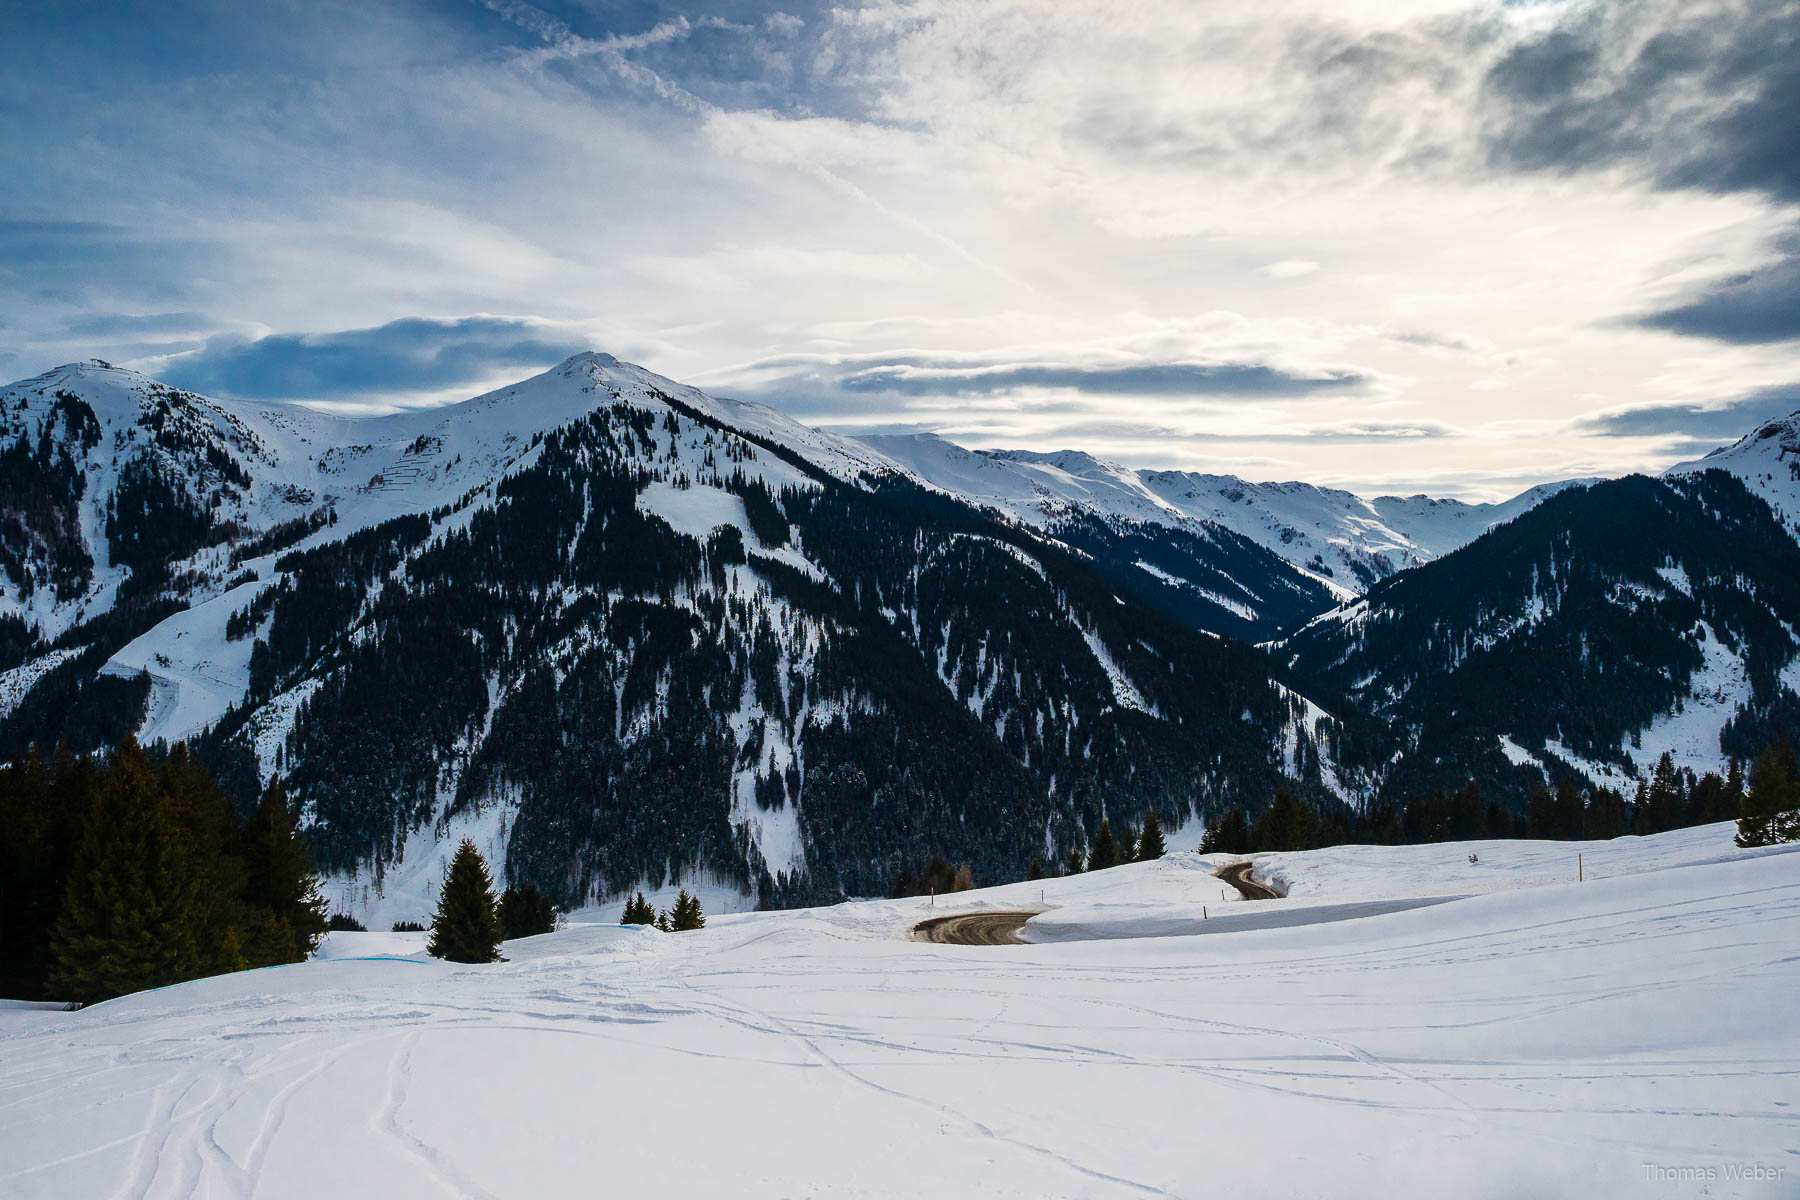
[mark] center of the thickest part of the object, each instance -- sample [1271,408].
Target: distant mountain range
[618,629]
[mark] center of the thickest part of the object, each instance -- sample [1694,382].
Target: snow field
[1545,1040]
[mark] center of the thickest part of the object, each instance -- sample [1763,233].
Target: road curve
[974,929]
[1238,876]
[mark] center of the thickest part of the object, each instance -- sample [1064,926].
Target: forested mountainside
[621,630]
[1608,625]
[631,630]
[1339,542]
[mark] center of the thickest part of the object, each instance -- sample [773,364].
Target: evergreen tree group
[525,911]
[1568,809]
[466,928]
[637,911]
[1771,807]
[138,872]
[686,914]
[938,878]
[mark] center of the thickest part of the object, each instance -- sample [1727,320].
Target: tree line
[136,872]
[1765,807]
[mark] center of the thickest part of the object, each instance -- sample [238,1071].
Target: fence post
[1580,874]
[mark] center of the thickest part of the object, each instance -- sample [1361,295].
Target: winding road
[1238,876]
[1002,928]
[974,929]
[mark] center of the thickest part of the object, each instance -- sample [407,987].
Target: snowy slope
[1343,539]
[1767,460]
[1549,1041]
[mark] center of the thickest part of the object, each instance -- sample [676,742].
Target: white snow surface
[1541,1038]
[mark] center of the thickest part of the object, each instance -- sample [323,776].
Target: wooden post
[934,897]
[1203,915]
[1580,875]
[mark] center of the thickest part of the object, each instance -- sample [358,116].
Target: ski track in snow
[1538,1037]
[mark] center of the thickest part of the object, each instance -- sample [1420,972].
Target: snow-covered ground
[1540,1037]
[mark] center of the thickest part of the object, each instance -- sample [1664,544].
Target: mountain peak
[590,357]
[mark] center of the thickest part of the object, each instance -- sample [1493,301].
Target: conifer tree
[1077,864]
[637,911]
[280,885]
[1663,799]
[1104,852]
[1288,825]
[1771,811]
[1035,870]
[686,914]
[129,919]
[1230,834]
[467,927]
[1151,844]
[525,911]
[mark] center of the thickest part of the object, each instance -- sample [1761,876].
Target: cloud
[1126,379]
[949,376]
[111,325]
[1706,424]
[413,355]
[1289,268]
[1761,305]
[1690,95]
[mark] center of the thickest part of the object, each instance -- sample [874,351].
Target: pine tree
[280,883]
[130,917]
[467,927]
[1077,864]
[525,911]
[1663,799]
[1104,852]
[665,922]
[1035,871]
[637,911]
[1229,835]
[686,914]
[1288,825]
[1151,844]
[1771,812]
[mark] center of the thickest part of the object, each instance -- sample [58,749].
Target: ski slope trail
[1539,1039]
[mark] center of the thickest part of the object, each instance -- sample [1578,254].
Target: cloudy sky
[1396,245]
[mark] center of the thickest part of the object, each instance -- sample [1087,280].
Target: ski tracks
[389,1123]
[769,1023]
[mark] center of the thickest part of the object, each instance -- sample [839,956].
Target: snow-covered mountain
[1604,628]
[1343,540]
[617,629]
[621,631]
[1767,460]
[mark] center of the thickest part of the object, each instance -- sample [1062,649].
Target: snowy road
[975,929]
[1545,1041]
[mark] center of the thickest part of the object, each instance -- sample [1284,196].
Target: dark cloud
[1756,307]
[414,354]
[1707,99]
[1703,425]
